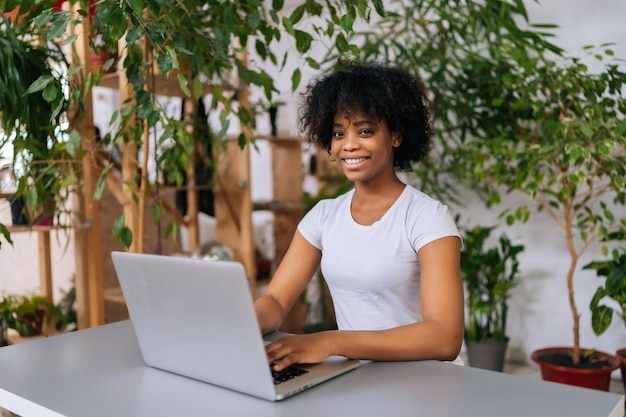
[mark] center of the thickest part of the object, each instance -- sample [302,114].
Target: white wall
[19,264]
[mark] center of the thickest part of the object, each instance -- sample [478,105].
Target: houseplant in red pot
[558,136]
[612,289]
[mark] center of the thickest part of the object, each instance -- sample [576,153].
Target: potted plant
[557,136]
[29,315]
[7,318]
[35,314]
[613,289]
[489,274]
[34,100]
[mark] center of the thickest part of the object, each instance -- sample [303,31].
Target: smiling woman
[389,253]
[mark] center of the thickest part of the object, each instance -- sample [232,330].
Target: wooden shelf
[164,85]
[36,228]
[278,205]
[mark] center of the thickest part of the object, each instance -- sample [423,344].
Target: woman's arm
[296,269]
[438,336]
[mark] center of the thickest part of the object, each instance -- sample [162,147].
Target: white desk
[99,372]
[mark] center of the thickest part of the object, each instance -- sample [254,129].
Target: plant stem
[567,210]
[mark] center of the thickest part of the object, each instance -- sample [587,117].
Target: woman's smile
[354,161]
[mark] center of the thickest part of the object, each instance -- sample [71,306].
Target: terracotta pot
[100,58]
[621,354]
[32,323]
[595,378]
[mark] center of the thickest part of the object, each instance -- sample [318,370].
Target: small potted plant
[35,313]
[489,274]
[29,315]
[613,289]
[7,318]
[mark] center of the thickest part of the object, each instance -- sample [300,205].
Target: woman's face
[363,146]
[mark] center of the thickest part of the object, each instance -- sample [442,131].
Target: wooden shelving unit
[232,194]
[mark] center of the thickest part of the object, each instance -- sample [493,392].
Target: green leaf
[136,5]
[288,25]
[303,41]
[601,319]
[41,83]
[73,144]
[69,180]
[347,20]
[164,62]
[69,40]
[182,83]
[156,213]
[242,140]
[127,237]
[50,93]
[134,34]
[378,6]
[313,63]
[118,225]
[229,15]
[278,4]
[295,79]
[587,130]
[6,234]
[295,17]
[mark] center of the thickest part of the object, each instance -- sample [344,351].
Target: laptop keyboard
[286,374]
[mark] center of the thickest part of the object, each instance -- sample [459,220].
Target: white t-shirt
[373,272]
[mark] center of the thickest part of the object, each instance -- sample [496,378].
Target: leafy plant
[449,44]
[489,274]
[228,45]
[613,287]
[35,97]
[28,315]
[560,139]
[7,317]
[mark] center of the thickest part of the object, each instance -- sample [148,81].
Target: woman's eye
[366,132]
[337,134]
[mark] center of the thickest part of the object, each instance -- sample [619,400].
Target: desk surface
[100,372]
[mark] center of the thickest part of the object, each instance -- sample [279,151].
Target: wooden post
[89,272]
[288,210]
[233,198]
[193,232]
[245,211]
[45,264]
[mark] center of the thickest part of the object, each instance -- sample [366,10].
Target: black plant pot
[19,215]
[487,354]
[22,215]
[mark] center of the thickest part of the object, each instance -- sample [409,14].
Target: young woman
[389,253]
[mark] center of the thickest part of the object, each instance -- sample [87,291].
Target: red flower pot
[588,377]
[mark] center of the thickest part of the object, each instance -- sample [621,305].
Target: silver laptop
[196,318]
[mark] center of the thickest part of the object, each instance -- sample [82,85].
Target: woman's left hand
[303,349]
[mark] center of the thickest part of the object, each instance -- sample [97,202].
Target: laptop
[196,318]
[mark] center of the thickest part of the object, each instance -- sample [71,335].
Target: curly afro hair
[379,90]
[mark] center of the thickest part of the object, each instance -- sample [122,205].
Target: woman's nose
[350,142]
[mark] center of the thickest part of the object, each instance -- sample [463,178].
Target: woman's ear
[396,139]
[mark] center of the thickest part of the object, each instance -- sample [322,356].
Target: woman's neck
[369,204]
